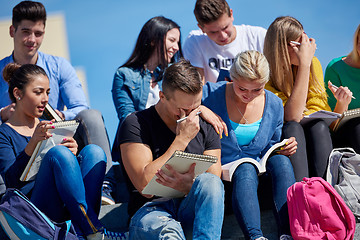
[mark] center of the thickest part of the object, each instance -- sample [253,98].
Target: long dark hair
[151,39]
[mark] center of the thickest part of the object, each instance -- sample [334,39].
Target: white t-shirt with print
[204,53]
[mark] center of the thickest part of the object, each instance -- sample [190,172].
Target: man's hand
[179,181]
[188,128]
[61,115]
[7,112]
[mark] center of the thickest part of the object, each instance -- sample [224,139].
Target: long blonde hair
[354,55]
[282,74]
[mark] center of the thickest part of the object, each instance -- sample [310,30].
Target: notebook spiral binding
[207,158]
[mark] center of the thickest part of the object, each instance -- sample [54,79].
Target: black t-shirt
[148,128]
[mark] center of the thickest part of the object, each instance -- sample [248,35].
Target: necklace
[242,115]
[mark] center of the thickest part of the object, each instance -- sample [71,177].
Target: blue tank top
[245,132]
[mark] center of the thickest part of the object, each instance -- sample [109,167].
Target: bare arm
[343,97]
[6,112]
[294,107]
[39,134]
[214,119]
[140,166]
[216,167]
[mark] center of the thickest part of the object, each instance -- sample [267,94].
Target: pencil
[338,87]
[184,118]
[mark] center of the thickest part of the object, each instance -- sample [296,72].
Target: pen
[182,119]
[297,43]
[338,87]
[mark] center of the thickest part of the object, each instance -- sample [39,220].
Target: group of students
[264,100]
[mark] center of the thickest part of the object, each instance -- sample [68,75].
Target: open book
[62,130]
[181,162]
[346,116]
[229,168]
[50,114]
[327,116]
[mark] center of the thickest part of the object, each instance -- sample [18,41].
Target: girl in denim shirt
[137,83]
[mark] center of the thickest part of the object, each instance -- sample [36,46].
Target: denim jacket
[130,90]
[269,131]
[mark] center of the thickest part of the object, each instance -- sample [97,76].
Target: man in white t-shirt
[217,42]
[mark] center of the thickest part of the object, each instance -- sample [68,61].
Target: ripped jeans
[201,211]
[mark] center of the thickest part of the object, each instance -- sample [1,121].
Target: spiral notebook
[181,162]
[62,130]
[346,116]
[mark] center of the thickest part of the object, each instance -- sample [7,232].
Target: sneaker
[261,238]
[106,198]
[109,235]
[286,237]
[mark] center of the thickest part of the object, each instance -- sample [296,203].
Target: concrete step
[115,218]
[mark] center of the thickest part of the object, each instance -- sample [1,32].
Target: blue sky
[102,34]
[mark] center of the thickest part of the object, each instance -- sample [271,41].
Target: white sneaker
[261,238]
[286,237]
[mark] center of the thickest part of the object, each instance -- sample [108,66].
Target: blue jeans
[92,131]
[69,187]
[245,199]
[201,211]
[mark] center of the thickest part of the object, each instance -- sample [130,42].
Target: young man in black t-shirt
[149,138]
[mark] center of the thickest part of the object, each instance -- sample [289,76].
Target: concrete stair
[115,218]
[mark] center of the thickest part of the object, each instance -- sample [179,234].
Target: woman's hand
[290,147]
[215,120]
[71,144]
[306,51]
[40,133]
[343,96]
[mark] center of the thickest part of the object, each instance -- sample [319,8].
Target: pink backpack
[316,211]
